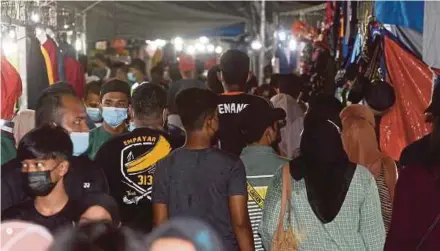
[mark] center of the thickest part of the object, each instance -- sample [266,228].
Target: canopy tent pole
[263,43]
[304,11]
[91,6]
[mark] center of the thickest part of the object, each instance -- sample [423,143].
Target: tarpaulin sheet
[431,34]
[412,82]
[405,13]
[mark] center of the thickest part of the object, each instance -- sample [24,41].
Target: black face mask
[38,183]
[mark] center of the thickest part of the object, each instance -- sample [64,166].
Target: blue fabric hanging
[405,13]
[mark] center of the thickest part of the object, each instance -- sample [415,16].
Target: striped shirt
[261,162]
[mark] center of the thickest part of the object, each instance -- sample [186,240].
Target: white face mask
[80,142]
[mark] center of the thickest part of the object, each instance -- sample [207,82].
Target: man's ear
[63,168]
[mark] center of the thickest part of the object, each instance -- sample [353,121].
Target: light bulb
[204,40]
[210,48]
[292,44]
[191,50]
[35,17]
[256,45]
[218,49]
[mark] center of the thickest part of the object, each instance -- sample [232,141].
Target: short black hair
[194,105]
[118,66]
[290,84]
[148,101]
[50,105]
[138,64]
[266,91]
[234,65]
[213,82]
[116,85]
[97,236]
[93,87]
[35,144]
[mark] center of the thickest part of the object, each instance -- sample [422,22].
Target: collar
[7,126]
[259,149]
[232,93]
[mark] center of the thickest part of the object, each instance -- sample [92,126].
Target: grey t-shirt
[198,183]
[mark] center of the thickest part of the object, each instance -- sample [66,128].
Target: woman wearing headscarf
[291,132]
[334,203]
[415,224]
[360,144]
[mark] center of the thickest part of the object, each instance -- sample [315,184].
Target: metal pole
[263,42]
[84,33]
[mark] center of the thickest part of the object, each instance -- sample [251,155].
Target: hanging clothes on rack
[75,75]
[51,49]
[48,65]
[10,92]
[37,77]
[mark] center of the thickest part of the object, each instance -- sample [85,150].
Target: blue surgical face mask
[94,114]
[131,77]
[80,142]
[113,116]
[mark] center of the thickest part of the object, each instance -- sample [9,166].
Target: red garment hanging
[10,88]
[75,75]
[51,49]
[412,82]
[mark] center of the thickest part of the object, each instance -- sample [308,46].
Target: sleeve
[237,180]
[271,212]
[371,225]
[99,177]
[160,184]
[399,236]
[6,193]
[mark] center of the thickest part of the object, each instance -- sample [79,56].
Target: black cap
[232,60]
[257,117]
[201,235]
[434,106]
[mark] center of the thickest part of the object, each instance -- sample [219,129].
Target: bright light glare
[12,34]
[200,47]
[292,44]
[66,26]
[210,48]
[282,35]
[35,17]
[178,43]
[78,45]
[9,47]
[191,50]
[204,40]
[69,33]
[178,40]
[39,31]
[218,49]
[160,43]
[256,45]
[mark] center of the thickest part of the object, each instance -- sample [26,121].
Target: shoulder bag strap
[285,196]
[255,195]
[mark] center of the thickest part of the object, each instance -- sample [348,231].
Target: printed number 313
[145,180]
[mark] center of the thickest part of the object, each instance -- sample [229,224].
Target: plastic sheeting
[431,34]
[405,13]
[412,82]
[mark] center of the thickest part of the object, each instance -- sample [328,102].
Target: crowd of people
[221,164]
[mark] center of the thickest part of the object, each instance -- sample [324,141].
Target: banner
[412,82]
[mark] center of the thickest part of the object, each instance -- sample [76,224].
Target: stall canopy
[166,19]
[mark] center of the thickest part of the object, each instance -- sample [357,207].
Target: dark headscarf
[324,166]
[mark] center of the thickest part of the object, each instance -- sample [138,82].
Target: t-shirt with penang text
[128,162]
[230,105]
[198,183]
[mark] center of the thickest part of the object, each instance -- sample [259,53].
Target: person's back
[129,160]
[234,67]
[260,126]
[201,181]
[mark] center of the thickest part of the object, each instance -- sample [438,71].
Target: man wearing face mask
[61,107]
[259,125]
[129,160]
[44,166]
[115,99]
[136,73]
[92,100]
